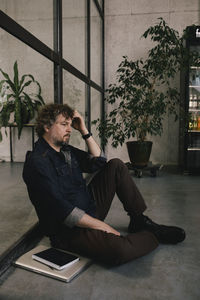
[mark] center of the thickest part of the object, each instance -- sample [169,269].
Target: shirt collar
[46,148]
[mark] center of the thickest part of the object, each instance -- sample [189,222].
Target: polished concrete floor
[16,212]
[168,273]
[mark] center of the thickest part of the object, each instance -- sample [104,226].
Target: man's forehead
[62,118]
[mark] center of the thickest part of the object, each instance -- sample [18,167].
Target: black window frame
[55,55]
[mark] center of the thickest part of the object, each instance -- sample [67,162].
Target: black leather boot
[164,234]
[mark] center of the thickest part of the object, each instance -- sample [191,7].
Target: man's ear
[46,128]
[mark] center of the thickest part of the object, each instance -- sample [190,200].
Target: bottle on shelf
[198,102]
[197,78]
[190,123]
[195,101]
[198,123]
[191,101]
[194,122]
[193,79]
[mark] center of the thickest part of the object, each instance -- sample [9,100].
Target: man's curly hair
[48,114]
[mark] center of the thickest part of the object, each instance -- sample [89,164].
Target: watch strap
[86,136]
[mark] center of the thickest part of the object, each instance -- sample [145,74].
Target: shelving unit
[193,140]
[190,122]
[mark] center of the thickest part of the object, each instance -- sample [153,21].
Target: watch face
[86,136]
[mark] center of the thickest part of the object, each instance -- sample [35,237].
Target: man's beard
[60,143]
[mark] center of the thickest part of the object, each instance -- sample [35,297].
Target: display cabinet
[190,96]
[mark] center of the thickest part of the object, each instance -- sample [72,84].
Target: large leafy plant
[17,105]
[144,89]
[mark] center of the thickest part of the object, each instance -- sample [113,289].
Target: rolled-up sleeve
[74,217]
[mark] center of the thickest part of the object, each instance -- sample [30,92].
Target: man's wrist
[84,131]
[86,136]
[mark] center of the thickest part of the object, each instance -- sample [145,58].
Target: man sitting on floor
[72,214]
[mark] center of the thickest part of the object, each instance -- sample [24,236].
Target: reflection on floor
[170,272]
[16,211]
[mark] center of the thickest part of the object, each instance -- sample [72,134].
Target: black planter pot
[139,153]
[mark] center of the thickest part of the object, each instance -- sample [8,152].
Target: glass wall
[32,15]
[74,94]
[100,3]
[74,33]
[96,45]
[56,41]
[29,62]
[61,44]
[95,111]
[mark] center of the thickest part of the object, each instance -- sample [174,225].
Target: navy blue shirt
[56,187]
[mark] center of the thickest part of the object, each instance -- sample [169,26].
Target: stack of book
[53,262]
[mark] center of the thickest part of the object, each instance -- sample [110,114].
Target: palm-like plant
[17,101]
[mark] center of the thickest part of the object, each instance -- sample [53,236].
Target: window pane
[29,62]
[100,3]
[95,112]
[74,95]
[35,16]
[96,45]
[74,33]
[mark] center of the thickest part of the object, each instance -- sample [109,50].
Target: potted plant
[144,92]
[17,105]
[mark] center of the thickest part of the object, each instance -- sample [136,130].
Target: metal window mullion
[9,25]
[100,10]
[71,69]
[16,30]
[58,70]
[103,68]
[88,99]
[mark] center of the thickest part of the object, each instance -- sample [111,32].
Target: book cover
[55,258]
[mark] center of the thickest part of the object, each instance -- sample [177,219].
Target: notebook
[66,274]
[55,258]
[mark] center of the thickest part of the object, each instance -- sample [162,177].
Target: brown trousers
[107,247]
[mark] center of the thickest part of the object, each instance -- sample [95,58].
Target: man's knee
[120,256]
[117,253]
[133,246]
[116,162]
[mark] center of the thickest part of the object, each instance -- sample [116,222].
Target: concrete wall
[38,20]
[126,21]
[37,17]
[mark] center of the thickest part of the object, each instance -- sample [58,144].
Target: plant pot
[139,153]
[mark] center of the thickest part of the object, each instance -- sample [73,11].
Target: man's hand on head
[78,123]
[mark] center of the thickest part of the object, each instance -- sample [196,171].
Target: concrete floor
[17,215]
[169,273]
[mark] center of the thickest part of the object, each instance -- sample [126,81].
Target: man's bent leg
[115,178]
[106,247]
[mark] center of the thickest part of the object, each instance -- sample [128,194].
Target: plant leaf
[30,106]
[18,117]
[5,74]
[16,77]
[24,77]
[27,83]
[0,135]
[1,84]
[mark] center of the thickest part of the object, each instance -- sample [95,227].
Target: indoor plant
[17,105]
[144,90]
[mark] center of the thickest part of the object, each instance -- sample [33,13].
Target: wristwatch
[86,136]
